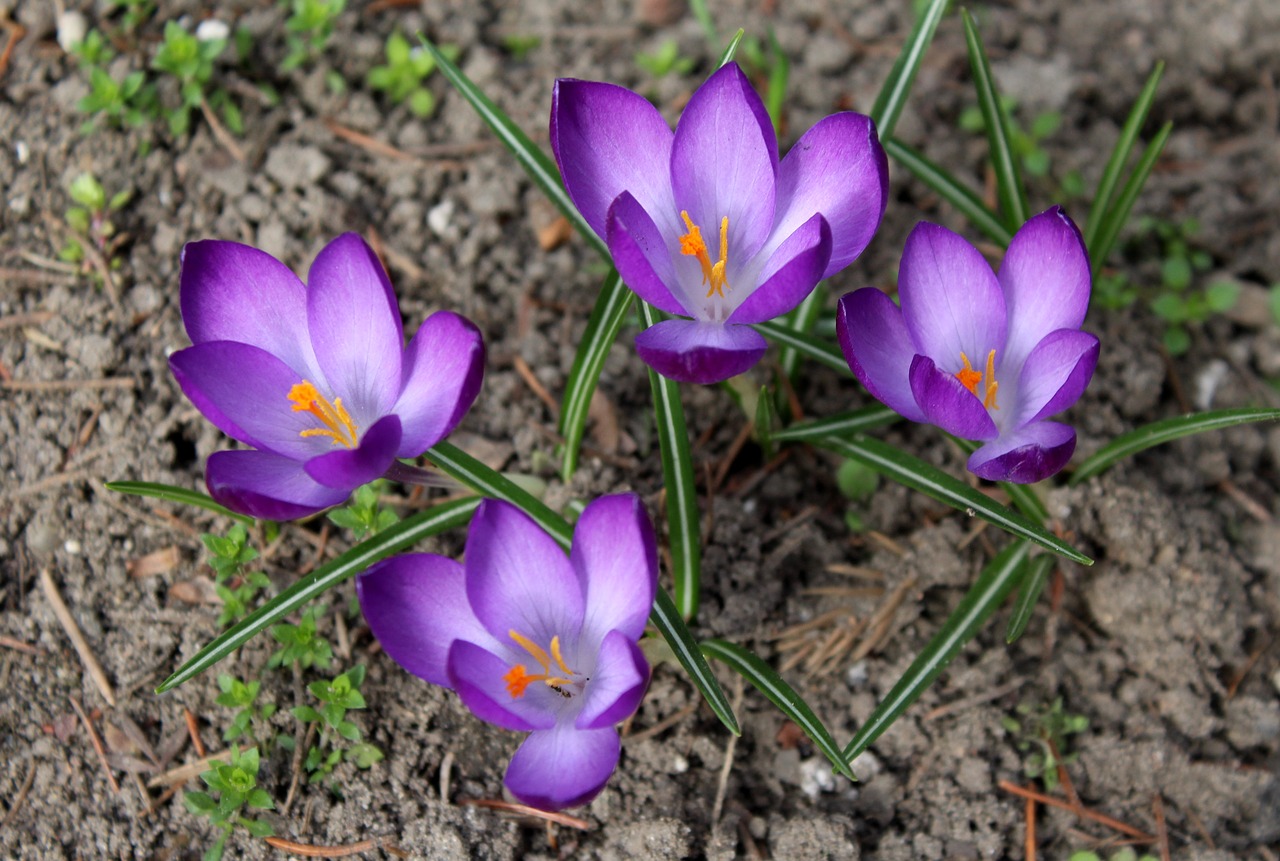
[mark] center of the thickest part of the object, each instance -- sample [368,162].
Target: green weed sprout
[1026,143]
[136,12]
[300,644]
[90,223]
[243,696]
[1125,853]
[407,67]
[665,61]
[227,557]
[310,27]
[519,46]
[130,102]
[362,515]
[235,787]
[1045,728]
[337,697]
[190,61]
[858,483]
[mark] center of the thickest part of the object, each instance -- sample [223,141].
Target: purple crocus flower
[984,357]
[707,223]
[315,378]
[531,640]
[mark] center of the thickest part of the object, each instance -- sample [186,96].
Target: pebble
[73,547]
[294,166]
[816,777]
[71,30]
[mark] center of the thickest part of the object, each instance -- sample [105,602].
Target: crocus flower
[982,356]
[707,223]
[315,378]
[531,640]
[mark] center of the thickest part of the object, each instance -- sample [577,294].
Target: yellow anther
[969,378]
[338,425]
[989,401]
[691,245]
[518,678]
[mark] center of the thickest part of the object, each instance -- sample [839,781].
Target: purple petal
[615,556]
[348,468]
[416,605]
[232,292]
[1046,282]
[266,486]
[563,767]
[689,351]
[790,274]
[724,162]
[951,301]
[641,255]
[617,685]
[608,140]
[878,348]
[1055,375]
[443,369]
[1026,455]
[948,404]
[244,390]
[355,326]
[477,675]
[838,169]
[518,578]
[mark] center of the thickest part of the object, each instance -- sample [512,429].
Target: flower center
[691,245]
[969,378]
[518,678]
[338,425]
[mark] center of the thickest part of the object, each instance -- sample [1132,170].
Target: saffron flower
[982,356]
[531,640]
[707,223]
[315,378]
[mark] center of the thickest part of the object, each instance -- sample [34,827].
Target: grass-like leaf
[841,424]
[993,585]
[936,484]
[684,534]
[606,320]
[1102,197]
[1032,584]
[182,495]
[1167,430]
[391,540]
[732,48]
[767,681]
[666,618]
[806,345]
[537,164]
[800,320]
[1116,217]
[893,93]
[776,91]
[952,190]
[1009,188]
[457,464]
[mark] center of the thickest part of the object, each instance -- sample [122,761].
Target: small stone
[439,217]
[679,765]
[211,30]
[856,676]
[816,777]
[294,166]
[71,30]
[866,766]
[73,547]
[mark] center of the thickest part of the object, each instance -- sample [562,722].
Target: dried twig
[17,645]
[16,32]
[97,744]
[722,783]
[1031,829]
[183,773]
[661,726]
[1082,812]
[35,318]
[68,385]
[524,810]
[20,799]
[308,851]
[69,625]
[220,132]
[531,380]
[975,700]
[1162,829]
[193,729]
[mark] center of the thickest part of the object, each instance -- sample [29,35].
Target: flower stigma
[691,245]
[518,678]
[337,422]
[969,378]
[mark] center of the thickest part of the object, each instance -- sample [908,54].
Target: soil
[1168,645]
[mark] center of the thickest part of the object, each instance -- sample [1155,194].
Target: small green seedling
[237,588]
[1026,143]
[309,28]
[190,61]
[300,644]
[1044,728]
[406,69]
[234,788]
[243,696]
[90,224]
[1125,853]
[362,515]
[857,483]
[665,61]
[519,46]
[337,697]
[136,13]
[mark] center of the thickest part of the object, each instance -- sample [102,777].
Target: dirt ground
[1168,645]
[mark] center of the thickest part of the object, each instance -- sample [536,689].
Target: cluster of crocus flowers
[983,356]
[707,222]
[315,378]
[530,639]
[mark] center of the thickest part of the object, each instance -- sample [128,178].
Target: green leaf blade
[952,190]
[666,618]
[897,87]
[182,495]
[1009,186]
[1118,215]
[841,424]
[767,681]
[806,345]
[1032,585]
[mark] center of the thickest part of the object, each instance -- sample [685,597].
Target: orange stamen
[338,425]
[518,678]
[989,401]
[691,245]
[968,377]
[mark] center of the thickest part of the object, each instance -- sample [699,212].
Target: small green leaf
[766,680]
[1037,571]
[88,192]
[261,799]
[258,827]
[731,49]
[1222,296]
[199,803]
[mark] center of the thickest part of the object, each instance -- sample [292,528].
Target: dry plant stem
[183,773]
[68,385]
[661,726]
[882,620]
[1082,812]
[161,800]
[303,738]
[731,746]
[975,700]
[194,730]
[531,380]
[1063,777]
[308,851]
[524,810]
[97,744]
[17,645]
[220,132]
[1251,506]
[16,32]
[69,625]
[1238,679]
[446,773]
[35,318]
[20,798]
[1031,829]
[1162,829]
